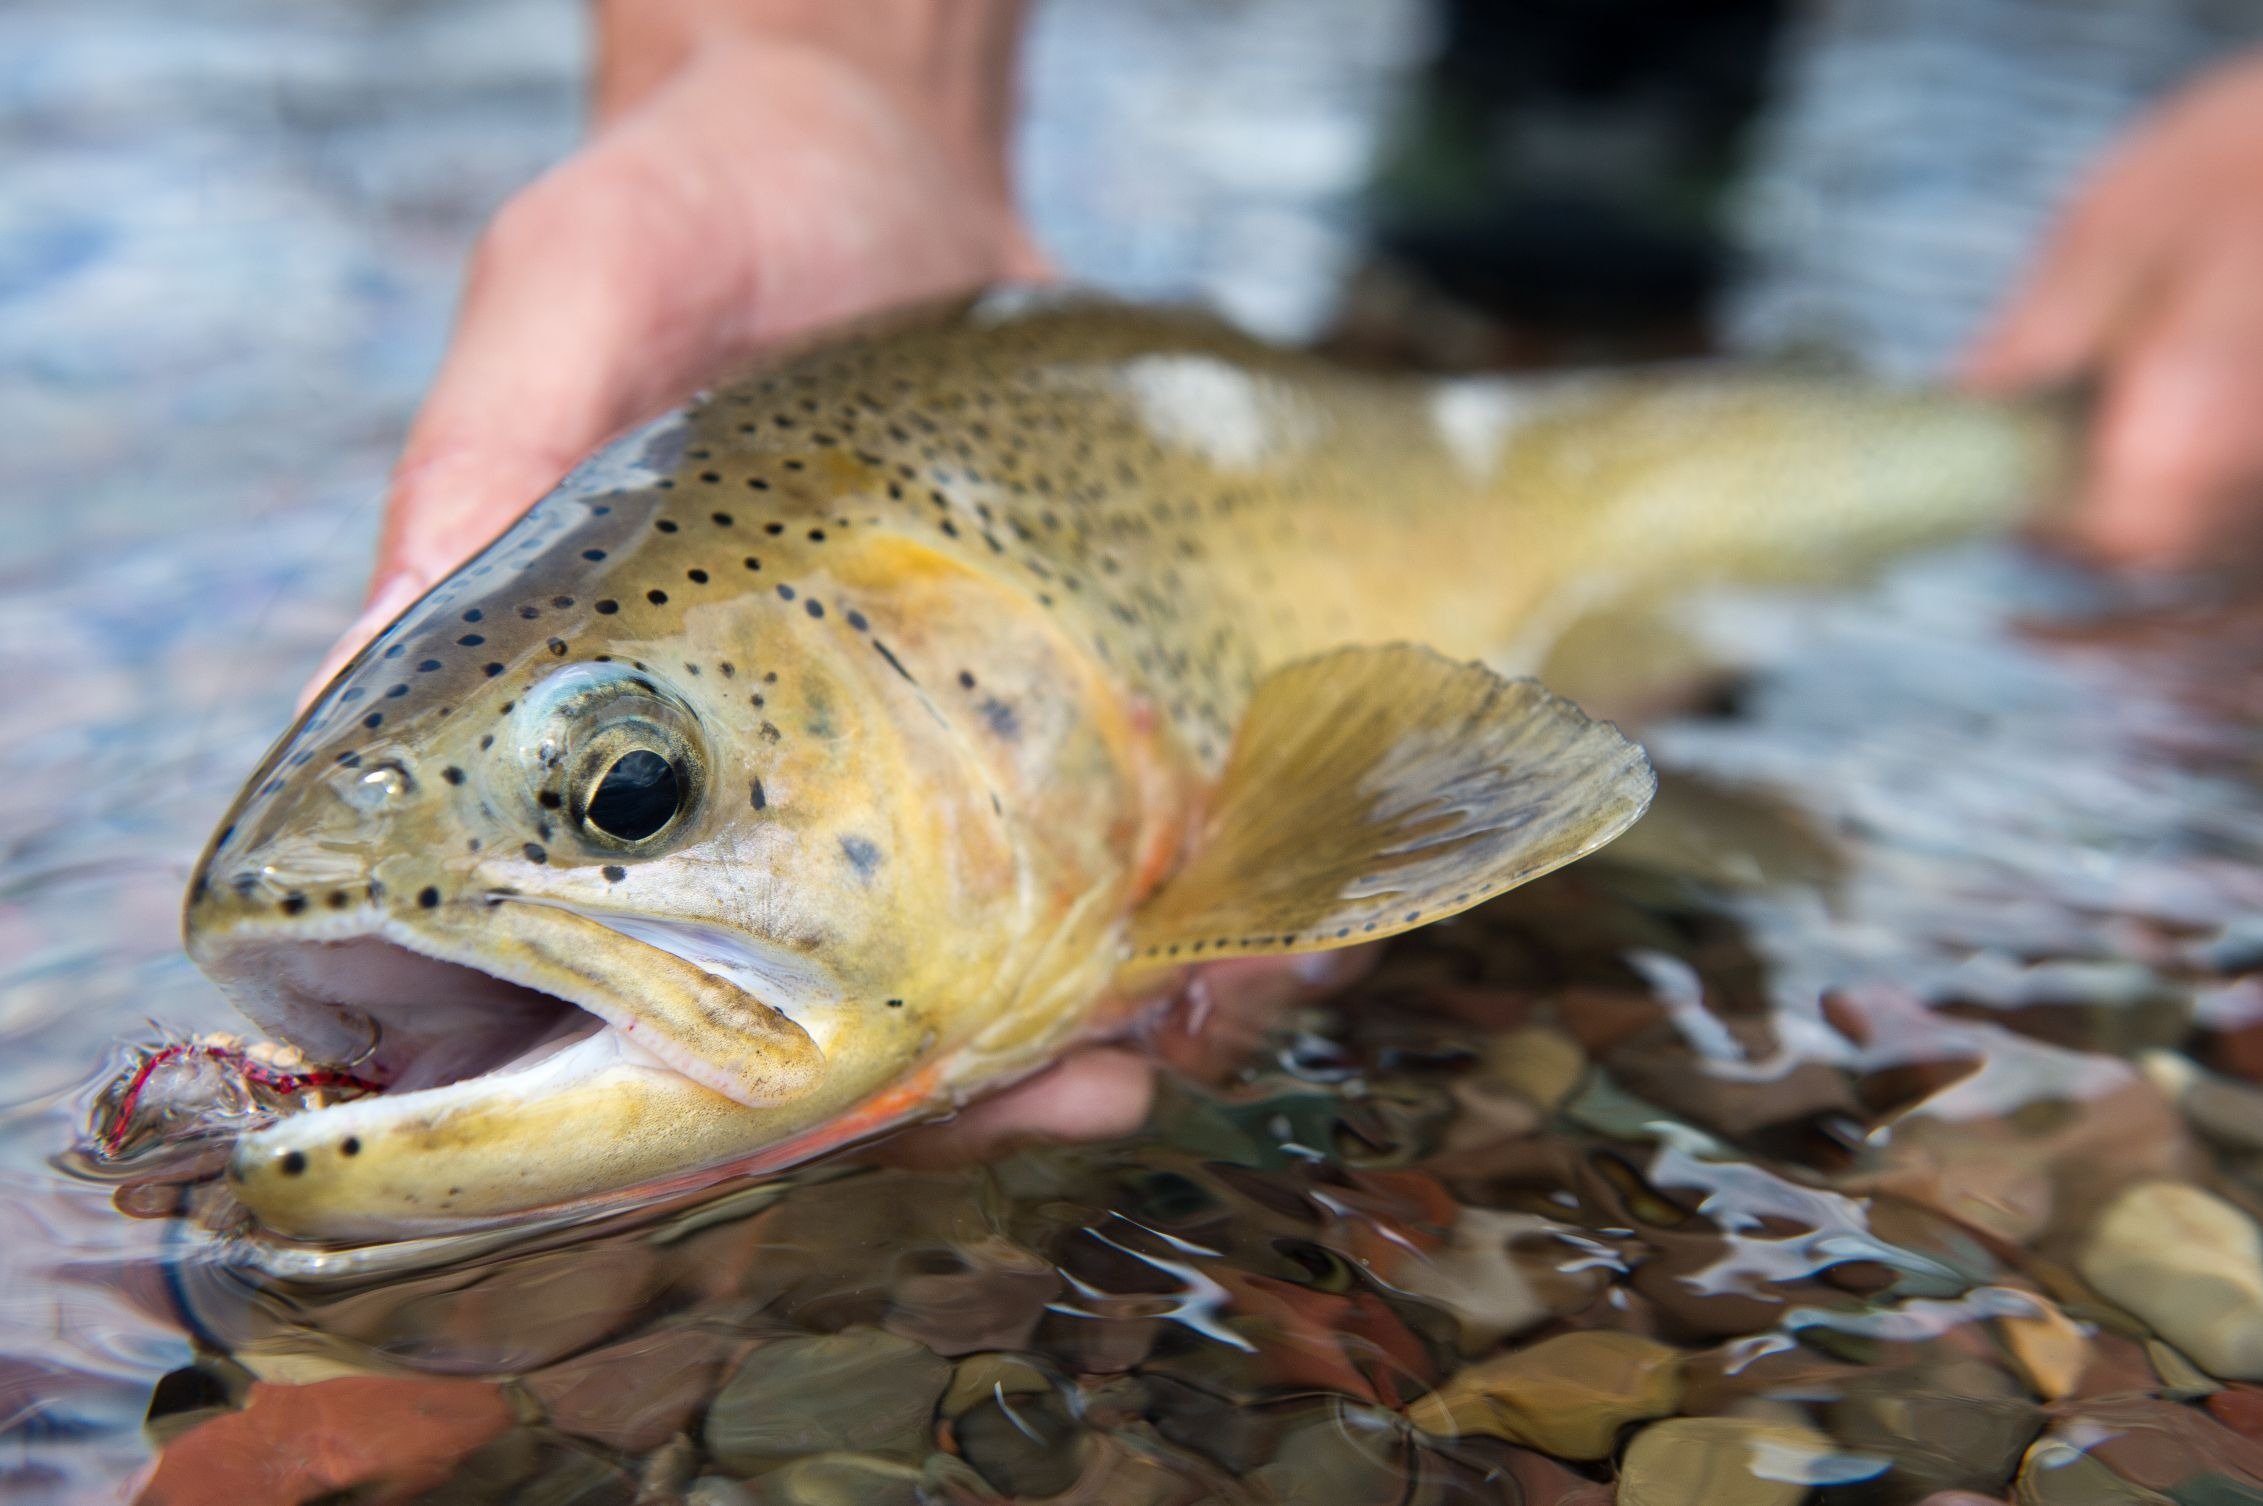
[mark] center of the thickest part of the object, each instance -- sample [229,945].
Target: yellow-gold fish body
[850,741]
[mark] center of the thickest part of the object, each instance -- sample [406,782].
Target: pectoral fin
[1370,790]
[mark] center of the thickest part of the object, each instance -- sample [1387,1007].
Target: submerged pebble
[2191,1265]
[1916,1171]
[1568,1396]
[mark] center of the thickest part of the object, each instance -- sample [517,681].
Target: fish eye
[618,751]
[637,796]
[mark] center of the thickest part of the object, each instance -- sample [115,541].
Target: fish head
[563,827]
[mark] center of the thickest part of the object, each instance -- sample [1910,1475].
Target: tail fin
[1713,476]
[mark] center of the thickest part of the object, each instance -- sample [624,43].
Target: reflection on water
[1883,1118]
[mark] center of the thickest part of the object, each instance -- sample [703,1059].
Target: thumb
[567,332]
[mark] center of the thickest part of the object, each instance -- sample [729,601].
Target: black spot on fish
[856,619]
[814,607]
[293,903]
[614,873]
[696,577]
[593,555]
[862,855]
[350,1146]
[1000,718]
[472,640]
[785,592]
[657,597]
[428,898]
[894,663]
[608,608]
[338,899]
[294,1162]
[550,800]
[722,519]
[492,670]
[349,760]
[966,679]
[474,615]
[752,563]
[529,612]
[558,646]
[561,602]
[374,720]
[427,666]
[665,525]
[760,799]
[534,853]
[895,1003]
[396,692]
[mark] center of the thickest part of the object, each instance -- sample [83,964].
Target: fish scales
[941,654]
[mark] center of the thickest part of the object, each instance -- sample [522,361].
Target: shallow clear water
[1881,1118]
[1884,1117]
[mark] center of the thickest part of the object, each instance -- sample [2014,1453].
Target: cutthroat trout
[855,738]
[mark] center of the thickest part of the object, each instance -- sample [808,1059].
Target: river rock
[1023,1445]
[636,1394]
[840,1480]
[1937,1440]
[860,1390]
[292,1443]
[1500,1274]
[1568,1396]
[2188,1263]
[2049,1347]
[1719,1461]
[980,1377]
[990,1297]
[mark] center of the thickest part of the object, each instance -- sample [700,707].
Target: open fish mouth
[407,1021]
[495,1096]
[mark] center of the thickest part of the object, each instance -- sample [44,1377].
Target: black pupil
[637,796]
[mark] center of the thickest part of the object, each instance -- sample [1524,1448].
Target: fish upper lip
[372,990]
[369,991]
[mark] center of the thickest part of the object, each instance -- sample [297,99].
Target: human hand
[2150,284]
[1216,1019]
[759,168]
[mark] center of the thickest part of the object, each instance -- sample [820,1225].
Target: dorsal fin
[1372,789]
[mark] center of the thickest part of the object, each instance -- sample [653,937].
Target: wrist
[949,62]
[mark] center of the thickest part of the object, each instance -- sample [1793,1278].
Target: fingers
[2178,453]
[574,322]
[2148,286]
[597,295]
[2093,270]
[1223,1013]
[761,191]
[1098,1093]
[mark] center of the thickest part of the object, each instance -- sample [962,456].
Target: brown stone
[637,1394]
[380,1434]
[1568,1396]
[1711,1461]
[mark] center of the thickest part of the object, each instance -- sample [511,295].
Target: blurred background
[230,234]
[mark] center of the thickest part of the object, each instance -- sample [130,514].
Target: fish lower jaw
[571,1059]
